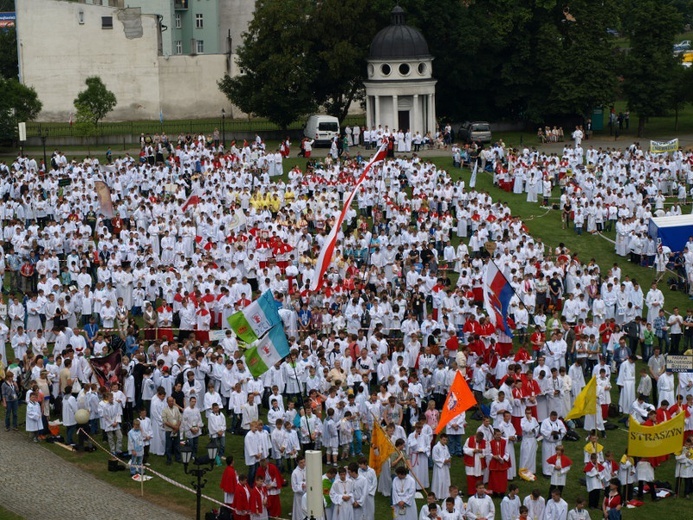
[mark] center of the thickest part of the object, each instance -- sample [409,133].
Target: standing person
[675,323]
[171,419]
[258,500]
[360,492]
[552,432]
[241,499]
[216,423]
[480,505]
[403,491]
[593,480]
[510,505]
[372,484]
[556,508]
[499,461]
[579,513]
[136,449]
[298,486]
[684,469]
[418,447]
[158,444]
[69,411]
[528,447]
[612,504]
[274,482]
[34,421]
[229,481]
[475,450]
[535,504]
[441,466]
[560,465]
[10,400]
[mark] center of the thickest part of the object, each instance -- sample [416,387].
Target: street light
[43,134]
[223,129]
[200,470]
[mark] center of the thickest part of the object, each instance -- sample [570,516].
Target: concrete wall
[234,17]
[57,53]
[188,86]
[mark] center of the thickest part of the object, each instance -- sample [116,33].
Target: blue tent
[674,232]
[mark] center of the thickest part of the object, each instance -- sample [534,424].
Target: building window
[179,47]
[107,22]
[199,21]
[200,46]
[179,21]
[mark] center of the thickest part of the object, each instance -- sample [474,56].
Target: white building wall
[57,53]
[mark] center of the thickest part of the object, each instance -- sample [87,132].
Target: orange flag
[460,399]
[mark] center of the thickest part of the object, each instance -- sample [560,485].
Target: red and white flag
[193,200]
[327,251]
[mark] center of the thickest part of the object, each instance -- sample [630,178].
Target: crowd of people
[200,231]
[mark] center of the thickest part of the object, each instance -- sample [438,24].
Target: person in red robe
[273,482]
[530,390]
[498,464]
[229,481]
[258,499]
[475,450]
[241,499]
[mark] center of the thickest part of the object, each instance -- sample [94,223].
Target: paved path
[38,484]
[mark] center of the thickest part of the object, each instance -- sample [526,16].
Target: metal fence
[171,128]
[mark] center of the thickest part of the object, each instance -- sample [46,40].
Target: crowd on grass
[199,231]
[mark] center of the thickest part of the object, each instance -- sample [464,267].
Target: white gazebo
[400,90]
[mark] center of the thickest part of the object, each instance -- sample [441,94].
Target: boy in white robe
[441,466]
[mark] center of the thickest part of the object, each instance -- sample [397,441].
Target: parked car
[684,45]
[479,131]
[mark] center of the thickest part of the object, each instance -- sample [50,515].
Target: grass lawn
[5,514]
[540,223]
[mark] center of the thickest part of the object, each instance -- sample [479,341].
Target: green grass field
[541,224]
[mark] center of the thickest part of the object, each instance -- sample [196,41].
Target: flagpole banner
[192,200]
[238,219]
[268,351]
[472,180]
[658,440]
[103,192]
[460,399]
[381,448]
[256,319]
[585,402]
[108,369]
[497,295]
[327,251]
[664,146]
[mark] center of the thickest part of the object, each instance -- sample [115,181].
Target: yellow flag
[585,402]
[658,440]
[381,448]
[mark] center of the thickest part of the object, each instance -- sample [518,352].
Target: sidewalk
[38,484]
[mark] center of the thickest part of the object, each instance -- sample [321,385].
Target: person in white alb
[480,505]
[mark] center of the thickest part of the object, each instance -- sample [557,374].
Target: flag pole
[406,460]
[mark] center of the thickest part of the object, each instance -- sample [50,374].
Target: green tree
[95,102]
[341,32]
[17,103]
[275,64]
[9,64]
[649,67]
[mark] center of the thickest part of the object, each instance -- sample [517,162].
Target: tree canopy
[529,60]
[17,103]
[95,102]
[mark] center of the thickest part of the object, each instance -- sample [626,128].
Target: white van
[321,128]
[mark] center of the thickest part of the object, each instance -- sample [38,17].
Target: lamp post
[200,469]
[223,129]
[43,134]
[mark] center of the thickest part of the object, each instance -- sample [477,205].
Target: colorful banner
[585,402]
[108,369]
[381,448]
[658,440]
[664,146]
[256,319]
[497,295]
[460,399]
[103,192]
[268,351]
